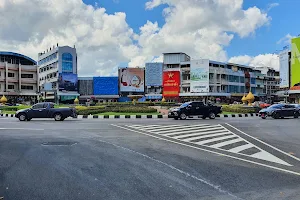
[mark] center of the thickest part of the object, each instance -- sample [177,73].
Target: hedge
[147,103]
[127,109]
[240,109]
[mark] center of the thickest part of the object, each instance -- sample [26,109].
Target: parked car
[195,109]
[45,110]
[280,111]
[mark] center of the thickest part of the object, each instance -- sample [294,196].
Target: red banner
[171,83]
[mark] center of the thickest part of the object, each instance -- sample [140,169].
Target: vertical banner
[200,75]
[295,64]
[284,68]
[171,83]
[153,74]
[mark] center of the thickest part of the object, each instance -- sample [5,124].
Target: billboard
[200,76]
[295,64]
[132,79]
[153,74]
[68,82]
[171,83]
[106,86]
[284,68]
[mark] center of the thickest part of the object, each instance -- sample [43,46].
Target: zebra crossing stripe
[213,136]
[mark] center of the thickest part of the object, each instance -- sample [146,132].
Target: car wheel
[276,115]
[264,117]
[203,117]
[296,115]
[183,116]
[28,119]
[212,115]
[58,117]
[22,117]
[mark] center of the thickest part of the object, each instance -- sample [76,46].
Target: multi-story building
[271,82]
[57,74]
[225,79]
[18,77]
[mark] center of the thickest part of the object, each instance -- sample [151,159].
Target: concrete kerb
[143,116]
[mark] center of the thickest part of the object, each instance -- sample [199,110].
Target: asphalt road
[134,159]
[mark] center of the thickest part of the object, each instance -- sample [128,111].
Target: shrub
[13,108]
[239,109]
[127,109]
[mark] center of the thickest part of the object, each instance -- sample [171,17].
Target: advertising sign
[132,79]
[200,75]
[106,86]
[295,64]
[171,83]
[284,68]
[68,82]
[154,72]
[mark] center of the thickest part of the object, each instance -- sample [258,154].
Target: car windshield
[184,105]
[275,106]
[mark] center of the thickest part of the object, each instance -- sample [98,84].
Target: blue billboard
[153,74]
[106,86]
[68,82]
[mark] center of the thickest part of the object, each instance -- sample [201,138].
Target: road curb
[144,116]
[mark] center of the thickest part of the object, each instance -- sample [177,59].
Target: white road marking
[264,143]
[218,145]
[215,139]
[211,132]
[241,148]
[205,136]
[214,152]
[183,128]
[194,134]
[171,128]
[33,129]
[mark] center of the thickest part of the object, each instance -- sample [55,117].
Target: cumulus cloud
[286,39]
[200,28]
[262,60]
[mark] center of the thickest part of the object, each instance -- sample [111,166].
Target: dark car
[280,111]
[45,110]
[195,109]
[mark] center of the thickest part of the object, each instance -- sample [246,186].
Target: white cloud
[262,60]
[201,28]
[272,5]
[286,40]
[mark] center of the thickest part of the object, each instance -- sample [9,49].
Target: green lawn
[228,113]
[117,113]
[8,112]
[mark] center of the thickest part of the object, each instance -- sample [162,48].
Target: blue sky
[262,42]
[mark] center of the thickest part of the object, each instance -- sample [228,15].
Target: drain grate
[59,143]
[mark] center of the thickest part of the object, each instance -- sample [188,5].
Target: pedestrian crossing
[213,136]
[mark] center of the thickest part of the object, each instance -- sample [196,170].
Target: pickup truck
[195,109]
[45,110]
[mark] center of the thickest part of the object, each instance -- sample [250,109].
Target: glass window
[26,75]
[67,57]
[38,106]
[11,74]
[26,87]
[67,66]
[11,87]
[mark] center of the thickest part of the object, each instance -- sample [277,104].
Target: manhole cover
[59,143]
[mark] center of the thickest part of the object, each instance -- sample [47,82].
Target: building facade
[57,74]
[225,79]
[18,77]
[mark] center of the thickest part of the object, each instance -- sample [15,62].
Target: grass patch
[124,113]
[229,113]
